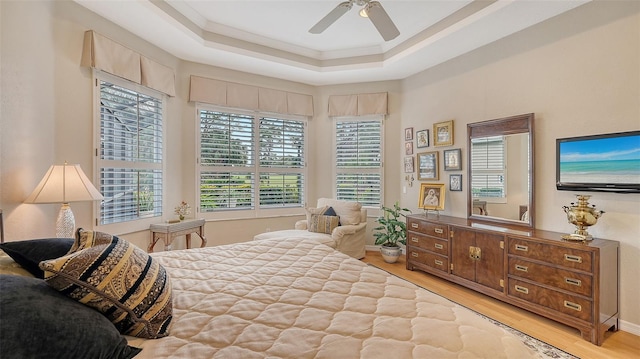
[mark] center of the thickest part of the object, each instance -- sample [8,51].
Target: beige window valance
[358,105]
[249,97]
[107,55]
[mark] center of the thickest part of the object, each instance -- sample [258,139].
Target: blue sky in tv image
[605,159]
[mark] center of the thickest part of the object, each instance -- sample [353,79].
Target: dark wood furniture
[575,283]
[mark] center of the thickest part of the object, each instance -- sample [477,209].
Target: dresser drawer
[432,260]
[428,228]
[578,283]
[429,243]
[558,301]
[566,257]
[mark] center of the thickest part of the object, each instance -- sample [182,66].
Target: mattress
[297,298]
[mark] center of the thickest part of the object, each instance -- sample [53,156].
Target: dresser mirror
[500,180]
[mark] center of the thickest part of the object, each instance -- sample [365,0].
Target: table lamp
[64,184]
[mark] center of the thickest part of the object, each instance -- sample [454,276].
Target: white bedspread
[300,299]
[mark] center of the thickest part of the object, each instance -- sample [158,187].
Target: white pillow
[349,212]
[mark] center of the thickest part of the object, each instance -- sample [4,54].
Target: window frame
[141,223]
[380,169]
[256,169]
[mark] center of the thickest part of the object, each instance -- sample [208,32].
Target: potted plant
[392,230]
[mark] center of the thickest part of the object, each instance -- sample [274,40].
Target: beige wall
[579,73]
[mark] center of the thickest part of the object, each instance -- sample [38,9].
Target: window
[358,160]
[488,160]
[250,161]
[130,152]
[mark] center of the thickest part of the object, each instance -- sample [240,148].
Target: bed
[297,298]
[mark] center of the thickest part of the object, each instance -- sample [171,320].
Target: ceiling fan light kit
[371,9]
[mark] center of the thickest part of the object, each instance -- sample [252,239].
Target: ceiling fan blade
[331,17]
[382,21]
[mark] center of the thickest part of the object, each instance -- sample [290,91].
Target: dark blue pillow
[30,253]
[39,322]
[331,212]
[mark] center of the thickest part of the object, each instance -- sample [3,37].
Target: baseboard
[377,248]
[629,327]
[623,325]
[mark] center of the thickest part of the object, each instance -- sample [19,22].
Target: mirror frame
[503,126]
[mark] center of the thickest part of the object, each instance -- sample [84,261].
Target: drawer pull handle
[524,290]
[574,306]
[572,258]
[522,268]
[438,246]
[414,254]
[414,239]
[573,281]
[520,247]
[438,230]
[438,262]
[414,225]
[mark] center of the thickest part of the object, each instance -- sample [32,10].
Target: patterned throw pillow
[118,279]
[321,223]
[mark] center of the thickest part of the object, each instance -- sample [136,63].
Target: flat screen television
[607,162]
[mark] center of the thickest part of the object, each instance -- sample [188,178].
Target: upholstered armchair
[345,233]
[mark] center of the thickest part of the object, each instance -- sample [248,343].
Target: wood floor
[616,344]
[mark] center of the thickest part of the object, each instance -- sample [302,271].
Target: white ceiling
[271,38]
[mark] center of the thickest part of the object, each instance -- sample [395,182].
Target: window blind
[359,161]
[130,161]
[488,167]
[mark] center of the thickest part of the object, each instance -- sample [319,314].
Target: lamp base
[66,223]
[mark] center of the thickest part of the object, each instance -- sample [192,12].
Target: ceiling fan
[372,9]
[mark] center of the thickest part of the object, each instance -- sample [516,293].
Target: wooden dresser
[574,283]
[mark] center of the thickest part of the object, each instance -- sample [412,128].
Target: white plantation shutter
[281,162]
[358,159]
[130,159]
[248,158]
[488,167]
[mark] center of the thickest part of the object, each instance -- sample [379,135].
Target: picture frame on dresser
[432,196]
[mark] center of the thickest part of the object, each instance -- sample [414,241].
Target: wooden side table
[169,231]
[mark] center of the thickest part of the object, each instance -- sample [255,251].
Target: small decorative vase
[582,215]
[390,254]
[181,217]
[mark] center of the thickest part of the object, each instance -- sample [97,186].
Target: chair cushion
[118,279]
[349,212]
[321,223]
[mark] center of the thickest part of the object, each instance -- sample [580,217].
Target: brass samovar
[581,215]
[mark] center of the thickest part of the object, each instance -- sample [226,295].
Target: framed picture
[428,165]
[408,148]
[452,159]
[408,164]
[432,196]
[408,134]
[422,138]
[443,133]
[455,182]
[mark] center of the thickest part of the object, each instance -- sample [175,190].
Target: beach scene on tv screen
[613,160]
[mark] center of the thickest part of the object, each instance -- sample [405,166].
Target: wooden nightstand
[169,231]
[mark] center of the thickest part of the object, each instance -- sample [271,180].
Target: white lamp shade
[63,184]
